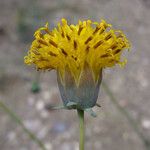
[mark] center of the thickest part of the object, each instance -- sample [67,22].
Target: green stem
[81,126]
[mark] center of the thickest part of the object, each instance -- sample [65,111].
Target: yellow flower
[88,43]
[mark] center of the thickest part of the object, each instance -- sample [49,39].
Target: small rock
[40,105]
[146,124]
[48,146]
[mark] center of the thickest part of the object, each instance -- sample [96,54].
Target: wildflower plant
[78,53]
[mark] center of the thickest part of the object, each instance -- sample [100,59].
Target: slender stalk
[81,126]
[20,122]
[132,122]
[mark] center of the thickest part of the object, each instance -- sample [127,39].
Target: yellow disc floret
[73,46]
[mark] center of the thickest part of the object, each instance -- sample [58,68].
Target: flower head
[78,53]
[74,46]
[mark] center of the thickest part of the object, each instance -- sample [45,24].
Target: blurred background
[123,121]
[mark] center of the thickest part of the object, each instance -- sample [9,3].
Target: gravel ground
[59,129]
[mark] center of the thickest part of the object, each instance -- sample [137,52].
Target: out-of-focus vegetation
[124,116]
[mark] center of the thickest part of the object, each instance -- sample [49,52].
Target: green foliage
[35,87]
